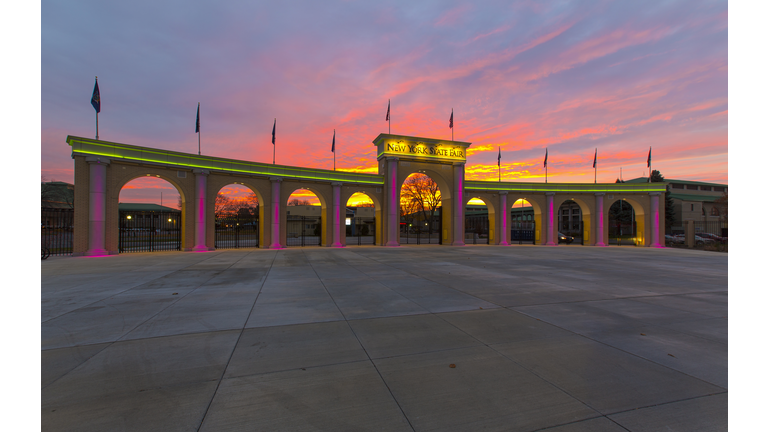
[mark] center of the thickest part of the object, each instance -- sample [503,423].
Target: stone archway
[125,176]
[493,229]
[641,235]
[322,221]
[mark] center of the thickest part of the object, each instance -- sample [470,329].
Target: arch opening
[236,218]
[304,219]
[421,220]
[570,223]
[478,222]
[150,215]
[524,218]
[361,224]
[623,224]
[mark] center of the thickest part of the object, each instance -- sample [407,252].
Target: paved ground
[519,338]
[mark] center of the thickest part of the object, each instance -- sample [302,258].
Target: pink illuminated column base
[201,187]
[551,233]
[599,219]
[97,206]
[655,221]
[275,213]
[503,216]
[337,226]
[393,204]
[458,206]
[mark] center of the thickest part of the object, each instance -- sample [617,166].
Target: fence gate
[622,233]
[416,231]
[524,232]
[237,231]
[303,231]
[149,231]
[57,230]
[361,231]
[476,229]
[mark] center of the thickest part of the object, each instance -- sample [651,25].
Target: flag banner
[499,161]
[546,153]
[649,157]
[594,162]
[387,119]
[96,97]
[450,122]
[273,132]
[333,145]
[197,122]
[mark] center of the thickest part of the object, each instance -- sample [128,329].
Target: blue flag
[546,153]
[594,162]
[333,145]
[387,119]
[499,162]
[273,132]
[450,122]
[197,123]
[96,97]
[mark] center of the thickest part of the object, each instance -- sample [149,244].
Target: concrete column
[201,188]
[97,206]
[393,204]
[275,213]
[599,230]
[457,195]
[551,231]
[503,217]
[337,225]
[655,222]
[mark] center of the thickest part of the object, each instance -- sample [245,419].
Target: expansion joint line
[237,342]
[363,347]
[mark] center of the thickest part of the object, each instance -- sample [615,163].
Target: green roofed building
[693,200]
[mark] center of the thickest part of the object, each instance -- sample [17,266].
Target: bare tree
[423,194]
[721,206]
[56,194]
[298,202]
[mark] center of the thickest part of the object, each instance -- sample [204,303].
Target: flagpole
[595,166]
[198,129]
[97,111]
[334,149]
[273,141]
[451,124]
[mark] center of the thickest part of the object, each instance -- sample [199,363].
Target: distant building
[692,200]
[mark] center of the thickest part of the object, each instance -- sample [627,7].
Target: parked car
[714,237]
[702,240]
[564,238]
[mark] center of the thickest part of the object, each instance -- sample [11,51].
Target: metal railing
[303,231]
[149,231]
[476,230]
[361,231]
[57,230]
[523,232]
[237,231]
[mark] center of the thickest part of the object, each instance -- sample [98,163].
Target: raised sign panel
[422,149]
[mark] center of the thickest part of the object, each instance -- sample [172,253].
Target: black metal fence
[361,231]
[622,233]
[149,231]
[57,230]
[523,232]
[418,232]
[237,231]
[476,229]
[304,230]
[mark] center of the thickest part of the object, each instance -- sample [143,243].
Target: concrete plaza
[516,338]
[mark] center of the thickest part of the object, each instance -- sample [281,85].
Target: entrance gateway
[102,168]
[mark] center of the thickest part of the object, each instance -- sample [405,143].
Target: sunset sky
[522,76]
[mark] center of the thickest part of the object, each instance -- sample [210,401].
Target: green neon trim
[297,172]
[564,189]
